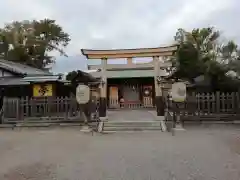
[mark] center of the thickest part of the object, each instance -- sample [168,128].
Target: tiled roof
[42,79]
[9,81]
[21,68]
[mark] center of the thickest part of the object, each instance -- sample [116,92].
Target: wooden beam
[130,51]
[130,66]
[130,55]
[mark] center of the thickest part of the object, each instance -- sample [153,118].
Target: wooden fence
[208,106]
[58,109]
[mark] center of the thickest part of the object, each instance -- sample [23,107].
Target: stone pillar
[2,92]
[103,92]
[158,91]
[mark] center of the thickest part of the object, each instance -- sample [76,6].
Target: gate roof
[129,53]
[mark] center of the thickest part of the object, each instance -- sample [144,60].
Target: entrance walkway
[132,120]
[132,115]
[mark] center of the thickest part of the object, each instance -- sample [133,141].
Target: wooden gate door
[113,97]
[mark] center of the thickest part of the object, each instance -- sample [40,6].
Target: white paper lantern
[178,92]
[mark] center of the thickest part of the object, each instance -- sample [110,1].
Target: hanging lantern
[147,91]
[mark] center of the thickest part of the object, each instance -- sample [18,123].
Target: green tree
[200,53]
[30,42]
[230,56]
[197,50]
[71,75]
[79,76]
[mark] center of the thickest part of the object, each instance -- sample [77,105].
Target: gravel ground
[67,154]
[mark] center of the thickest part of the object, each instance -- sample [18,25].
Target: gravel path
[67,154]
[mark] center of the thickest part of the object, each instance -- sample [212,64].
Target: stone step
[115,129]
[131,125]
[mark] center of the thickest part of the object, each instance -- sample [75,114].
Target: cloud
[13,10]
[105,24]
[193,13]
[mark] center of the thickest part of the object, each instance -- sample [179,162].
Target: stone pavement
[67,154]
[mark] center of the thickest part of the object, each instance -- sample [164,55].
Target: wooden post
[218,102]
[129,61]
[103,92]
[1,105]
[158,91]
[237,101]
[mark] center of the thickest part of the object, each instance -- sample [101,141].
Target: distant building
[20,80]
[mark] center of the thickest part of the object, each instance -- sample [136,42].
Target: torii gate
[156,53]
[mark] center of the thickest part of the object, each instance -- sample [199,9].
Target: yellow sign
[42,90]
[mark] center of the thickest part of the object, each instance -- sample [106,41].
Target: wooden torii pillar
[155,53]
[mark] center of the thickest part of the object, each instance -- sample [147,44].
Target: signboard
[82,94]
[178,92]
[42,90]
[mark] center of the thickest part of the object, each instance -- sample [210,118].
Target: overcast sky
[110,24]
